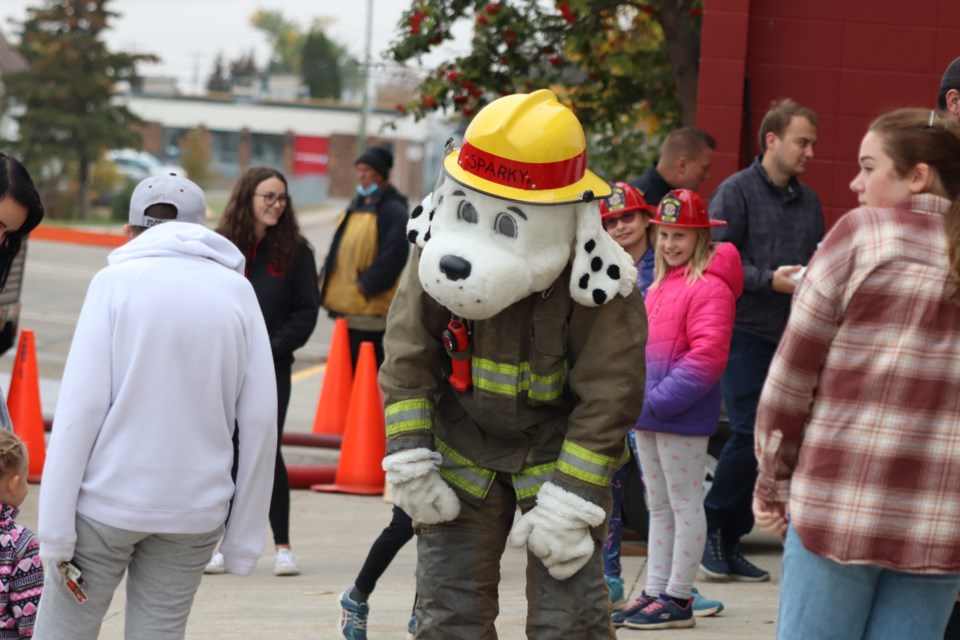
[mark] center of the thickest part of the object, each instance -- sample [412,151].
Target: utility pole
[195,84]
[365,105]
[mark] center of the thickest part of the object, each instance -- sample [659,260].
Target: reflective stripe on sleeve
[527,483]
[409,415]
[590,467]
[458,471]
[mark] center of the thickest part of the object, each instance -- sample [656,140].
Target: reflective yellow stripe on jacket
[409,415]
[528,482]
[458,471]
[513,379]
[588,466]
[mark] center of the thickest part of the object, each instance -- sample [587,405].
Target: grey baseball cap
[170,189]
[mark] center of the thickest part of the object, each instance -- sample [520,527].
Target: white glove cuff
[569,505]
[404,466]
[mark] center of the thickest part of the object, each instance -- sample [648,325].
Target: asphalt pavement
[331,534]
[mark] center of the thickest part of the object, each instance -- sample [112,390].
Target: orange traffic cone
[23,402]
[331,417]
[365,440]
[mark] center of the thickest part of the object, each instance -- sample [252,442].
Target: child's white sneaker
[286,564]
[215,566]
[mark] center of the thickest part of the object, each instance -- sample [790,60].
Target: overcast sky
[188,34]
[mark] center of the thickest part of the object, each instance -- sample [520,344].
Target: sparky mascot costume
[514,367]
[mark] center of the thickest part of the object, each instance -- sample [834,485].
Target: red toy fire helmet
[624,199]
[684,208]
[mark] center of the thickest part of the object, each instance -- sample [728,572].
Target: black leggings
[358,337]
[384,549]
[280,500]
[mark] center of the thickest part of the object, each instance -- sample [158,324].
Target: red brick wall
[849,60]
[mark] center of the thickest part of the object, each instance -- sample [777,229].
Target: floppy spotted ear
[418,227]
[601,268]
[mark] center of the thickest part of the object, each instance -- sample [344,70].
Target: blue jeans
[611,545]
[729,502]
[824,599]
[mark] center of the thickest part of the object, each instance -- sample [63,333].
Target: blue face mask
[368,191]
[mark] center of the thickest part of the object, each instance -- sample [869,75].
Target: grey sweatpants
[163,574]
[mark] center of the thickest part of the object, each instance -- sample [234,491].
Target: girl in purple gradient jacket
[690,311]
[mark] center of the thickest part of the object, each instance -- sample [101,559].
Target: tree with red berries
[627,68]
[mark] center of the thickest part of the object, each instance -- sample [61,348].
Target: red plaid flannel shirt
[858,429]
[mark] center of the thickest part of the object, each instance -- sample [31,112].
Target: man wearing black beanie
[369,250]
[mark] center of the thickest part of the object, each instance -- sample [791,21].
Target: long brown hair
[912,136]
[16,183]
[282,241]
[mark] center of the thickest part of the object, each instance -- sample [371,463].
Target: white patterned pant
[673,469]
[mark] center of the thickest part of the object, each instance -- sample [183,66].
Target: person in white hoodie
[169,358]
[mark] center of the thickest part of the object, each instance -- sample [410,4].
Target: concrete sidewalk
[331,534]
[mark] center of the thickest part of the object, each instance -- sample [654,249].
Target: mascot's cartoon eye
[506,225]
[467,212]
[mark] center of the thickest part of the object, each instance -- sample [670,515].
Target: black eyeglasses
[271,199]
[626,218]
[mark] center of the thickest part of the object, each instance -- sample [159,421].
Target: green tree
[68,92]
[217,81]
[195,155]
[243,70]
[285,36]
[321,65]
[628,69]
[325,65]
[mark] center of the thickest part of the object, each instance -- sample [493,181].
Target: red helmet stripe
[529,176]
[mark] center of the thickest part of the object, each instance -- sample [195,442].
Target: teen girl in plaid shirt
[858,430]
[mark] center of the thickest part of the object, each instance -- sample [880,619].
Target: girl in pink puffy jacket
[690,311]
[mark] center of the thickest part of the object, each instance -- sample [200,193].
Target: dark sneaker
[353,618]
[620,617]
[663,613]
[704,606]
[742,570]
[714,563]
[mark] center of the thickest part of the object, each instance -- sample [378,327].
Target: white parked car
[137,165]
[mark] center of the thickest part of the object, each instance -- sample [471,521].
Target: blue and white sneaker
[663,613]
[704,606]
[353,618]
[615,588]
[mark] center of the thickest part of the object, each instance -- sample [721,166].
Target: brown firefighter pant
[458,573]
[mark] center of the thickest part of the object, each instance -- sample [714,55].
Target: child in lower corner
[21,579]
[690,311]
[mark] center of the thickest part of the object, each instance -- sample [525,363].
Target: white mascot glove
[418,489]
[557,530]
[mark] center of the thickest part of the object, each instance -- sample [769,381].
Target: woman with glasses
[260,220]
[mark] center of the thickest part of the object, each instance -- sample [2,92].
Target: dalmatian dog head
[513,205]
[481,254]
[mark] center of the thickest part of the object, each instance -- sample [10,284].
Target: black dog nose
[455,267]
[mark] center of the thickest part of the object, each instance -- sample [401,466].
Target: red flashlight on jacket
[456,340]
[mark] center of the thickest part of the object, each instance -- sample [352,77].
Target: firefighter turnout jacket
[555,388]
